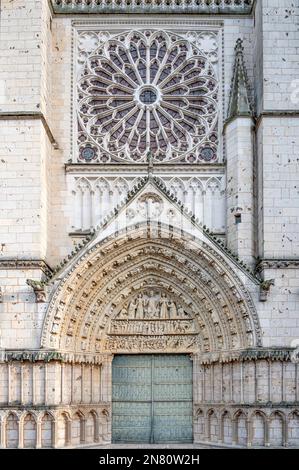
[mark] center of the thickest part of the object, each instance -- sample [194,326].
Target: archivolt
[111,272]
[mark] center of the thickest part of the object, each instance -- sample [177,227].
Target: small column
[91,383]
[82,383]
[68,439]
[97,430]
[231,382]
[195,381]
[3,434]
[235,432]
[296,382]
[38,434]
[221,429]
[82,430]
[21,434]
[62,372]
[9,383]
[107,379]
[46,384]
[267,436]
[33,385]
[242,382]
[203,383]
[249,432]
[55,433]
[207,428]
[221,384]
[72,382]
[285,432]
[22,383]
[269,381]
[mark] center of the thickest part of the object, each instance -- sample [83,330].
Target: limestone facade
[149,204]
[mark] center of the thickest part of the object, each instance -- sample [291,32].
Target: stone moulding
[246,355]
[26,264]
[277,264]
[239,7]
[47,356]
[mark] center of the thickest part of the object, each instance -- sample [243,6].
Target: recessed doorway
[152,398]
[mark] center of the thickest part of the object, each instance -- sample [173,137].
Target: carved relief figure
[173,313]
[140,307]
[181,312]
[151,306]
[163,307]
[131,311]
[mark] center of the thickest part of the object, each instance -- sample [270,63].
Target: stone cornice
[128,168]
[47,356]
[26,264]
[260,405]
[277,114]
[277,264]
[30,115]
[254,354]
[205,7]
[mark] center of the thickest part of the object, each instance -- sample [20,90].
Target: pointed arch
[213,425]
[214,205]
[293,429]
[11,424]
[78,421]
[109,275]
[177,187]
[258,428]
[240,418]
[83,196]
[64,429]
[199,431]
[122,185]
[226,427]
[101,199]
[277,429]
[47,431]
[195,198]
[91,426]
[29,430]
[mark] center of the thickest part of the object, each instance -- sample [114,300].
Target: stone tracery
[95,197]
[148,89]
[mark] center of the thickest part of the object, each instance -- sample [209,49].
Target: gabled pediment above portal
[150,204]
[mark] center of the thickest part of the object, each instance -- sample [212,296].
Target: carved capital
[39,288]
[265,288]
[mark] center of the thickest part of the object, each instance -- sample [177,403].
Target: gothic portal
[149,223]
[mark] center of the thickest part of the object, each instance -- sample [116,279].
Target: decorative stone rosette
[148,90]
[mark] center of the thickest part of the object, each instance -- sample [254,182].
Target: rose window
[148,91]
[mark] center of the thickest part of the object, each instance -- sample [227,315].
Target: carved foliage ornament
[144,90]
[152,6]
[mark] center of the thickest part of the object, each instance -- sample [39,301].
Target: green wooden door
[152,399]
